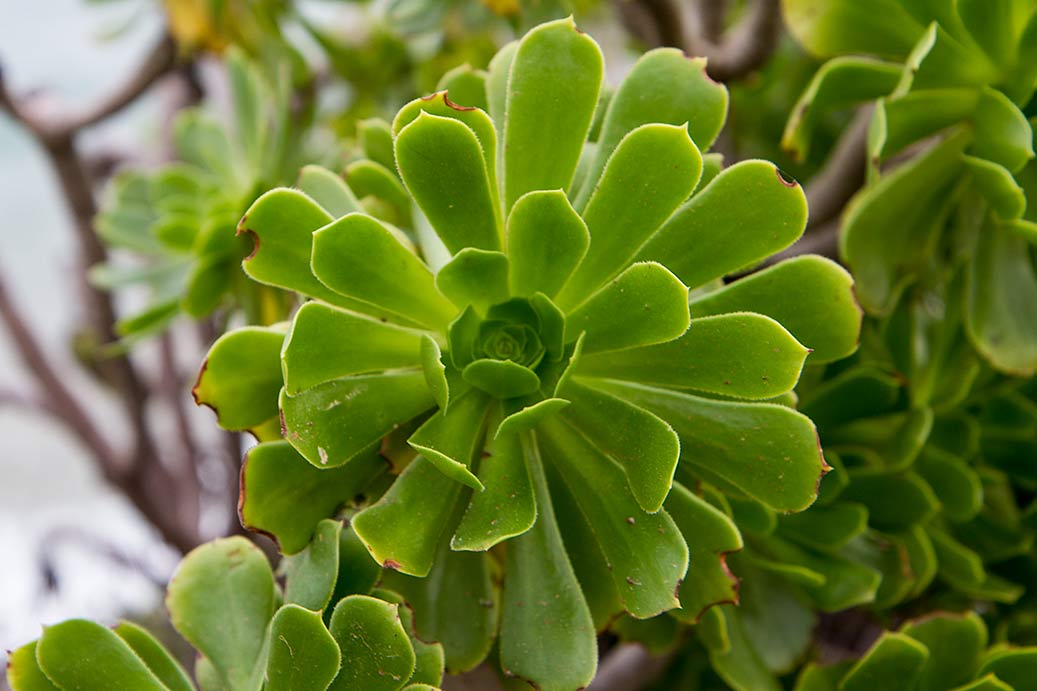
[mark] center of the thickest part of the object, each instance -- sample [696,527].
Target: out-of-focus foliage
[174,226]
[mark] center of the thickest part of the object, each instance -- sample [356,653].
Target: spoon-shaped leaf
[745,214]
[475,277]
[333,423]
[546,241]
[327,343]
[160,661]
[241,377]
[743,355]
[448,439]
[358,257]
[664,86]
[645,304]
[376,652]
[552,91]
[404,528]
[228,580]
[654,169]
[444,167]
[648,555]
[547,635]
[507,507]
[285,497]
[303,653]
[646,447]
[793,293]
[72,652]
[768,451]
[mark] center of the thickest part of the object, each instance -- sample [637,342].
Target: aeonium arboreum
[523,357]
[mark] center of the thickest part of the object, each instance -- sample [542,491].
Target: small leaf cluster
[172,229]
[250,635]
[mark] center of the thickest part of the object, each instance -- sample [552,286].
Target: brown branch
[25,401]
[628,667]
[160,60]
[731,55]
[56,396]
[150,486]
[842,174]
[823,240]
[748,46]
[712,15]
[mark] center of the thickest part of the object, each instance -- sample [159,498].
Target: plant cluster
[527,376]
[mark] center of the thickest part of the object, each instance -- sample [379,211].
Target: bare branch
[842,174]
[142,476]
[730,56]
[160,60]
[58,398]
[628,667]
[748,46]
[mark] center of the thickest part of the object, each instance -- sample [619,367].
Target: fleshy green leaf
[375,138]
[327,343]
[840,82]
[643,445]
[955,644]
[328,190]
[403,529]
[311,574]
[501,378]
[547,635]
[466,86]
[428,657]
[1002,290]
[448,439]
[303,654]
[647,553]
[73,652]
[894,663]
[552,91]
[478,122]
[333,423]
[645,304]
[227,580]
[376,652]
[741,355]
[888,228]
[711,536]
[475,277]
[358,257]
[664,86]
[24,673]
[747,213]
[456,605]
[769,451]
[282,222]
[547,239]
[832,27]
[160,661]
[506,507]
[443,166]
[654,168]
[285,497]
[241,377]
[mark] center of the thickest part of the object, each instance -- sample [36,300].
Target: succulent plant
[249,635]
[173,228]
[952,86]
[941,652]
[522,357]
